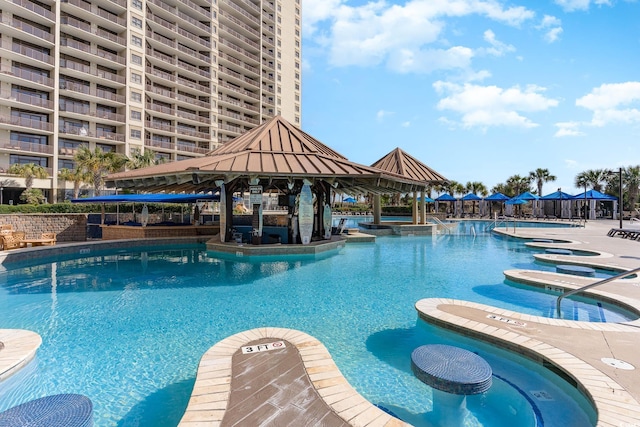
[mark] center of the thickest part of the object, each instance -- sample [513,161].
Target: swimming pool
[127,329]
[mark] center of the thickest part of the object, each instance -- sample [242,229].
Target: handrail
[593,285]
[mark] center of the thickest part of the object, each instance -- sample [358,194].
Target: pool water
[128,328]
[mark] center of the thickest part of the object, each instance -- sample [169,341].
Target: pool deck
[299,384]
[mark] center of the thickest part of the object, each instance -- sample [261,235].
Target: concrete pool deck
[308,386]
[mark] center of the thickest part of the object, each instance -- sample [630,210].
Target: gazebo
[274,157]
[397,162]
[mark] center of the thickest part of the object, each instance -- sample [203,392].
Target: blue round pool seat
[557,251]
[576,270]
[451,369]
[60,410]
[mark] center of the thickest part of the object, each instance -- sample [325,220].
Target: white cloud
[552,28]
[405,124]
[398,35]
[573,5]
[571,164]
[497,47]
[568,129]
[613,103]
[381,114]
[488,106]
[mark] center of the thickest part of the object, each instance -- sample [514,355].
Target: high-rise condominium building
[178,77]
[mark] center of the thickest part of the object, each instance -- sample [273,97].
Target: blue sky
[479,90]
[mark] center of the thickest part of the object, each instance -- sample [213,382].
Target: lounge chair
[52,237]
[9,242]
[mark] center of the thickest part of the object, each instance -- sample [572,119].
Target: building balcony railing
[160,126]
[236,129]
[68,20]
[106,115]
[111,136]
[29,76]
[236,116]
[36,9]
[196,8]
[178,113]
[239,36]
[28,52]
[240,10]
[174,61]
[238,103]
[194,38]
[166,145]
[238,76]
[98,11]
[239,23]
[72,65]
[192,149]
[67,151]
[185,17]
[29,29]
[175,45]
[177,96]
[75,130]
[87,90]
[238,90]
[27,147]
[24,98]
[121,3]
[238,49]
[188,131]
[25,122]
[239,63]
[97,52]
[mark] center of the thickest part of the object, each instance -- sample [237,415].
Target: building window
[297,86]
[297,97]
[137,4]
[297,33]
[297,65]
[136,22]
[29,138]
[23,160]
[136,96]
[135,134]
[136,41]
[297,119]
[297,108]
[136,59]
[297,43]
[136,78]
[297,54]
[136,115]
[297,21]
[297,76]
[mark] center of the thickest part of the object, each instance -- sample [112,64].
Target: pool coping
[209,398]
[20,347]
[614,405]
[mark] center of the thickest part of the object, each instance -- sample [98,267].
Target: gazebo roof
[277,151]
[401,163]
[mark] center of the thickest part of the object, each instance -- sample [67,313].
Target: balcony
[239,36]
[86,69]
[238,117]
[107,57]
[25,31]
[21,122]
[250,68]
[38,10]
[237,90]
[25,54]
[165,145]
[17,98]
[100,16]
[238,76]
[239,23]
[86,111]
[96,35]
[28,147]
[111,136]
[192,149]
[228,4]
[236,48]
[177,96]
[226,99]
[191,132]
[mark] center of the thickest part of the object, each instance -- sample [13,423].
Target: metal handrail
[593,285]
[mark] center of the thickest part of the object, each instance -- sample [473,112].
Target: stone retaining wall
[68,227]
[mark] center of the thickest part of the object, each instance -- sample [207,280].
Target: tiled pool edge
[614,405]
[211,390]
[20,348]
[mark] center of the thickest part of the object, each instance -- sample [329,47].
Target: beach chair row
[625,233]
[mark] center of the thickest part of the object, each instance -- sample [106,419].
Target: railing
[27,146]
[35,8]
[593,285]
[29,75]
[36,101]
[29,29]
[239,23]
[446,227]
[30,53]
[28,123]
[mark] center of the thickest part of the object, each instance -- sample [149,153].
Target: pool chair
[51,237]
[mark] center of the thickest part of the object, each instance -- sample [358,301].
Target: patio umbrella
[529,197]
[496,197]
[350,200]
[473,198]
[593,196]
[446,197]
[562,196]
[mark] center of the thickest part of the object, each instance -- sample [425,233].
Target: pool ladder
[593,285]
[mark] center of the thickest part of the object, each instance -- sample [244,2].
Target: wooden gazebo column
[377,209]
[423,207]
[414,210]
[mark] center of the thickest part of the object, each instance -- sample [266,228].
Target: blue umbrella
[428,200]
[472,197]
[595,195]
[446,197]
[497,197]
[516,201]
[558,195]
[350,200]
[527,196]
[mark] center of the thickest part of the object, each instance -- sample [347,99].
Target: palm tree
[631,179]
[28,171]
[504,189]
[540,176]
[141,160]
[97,164]
[595,179]
[476,187]
[76,176]
[519,184]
